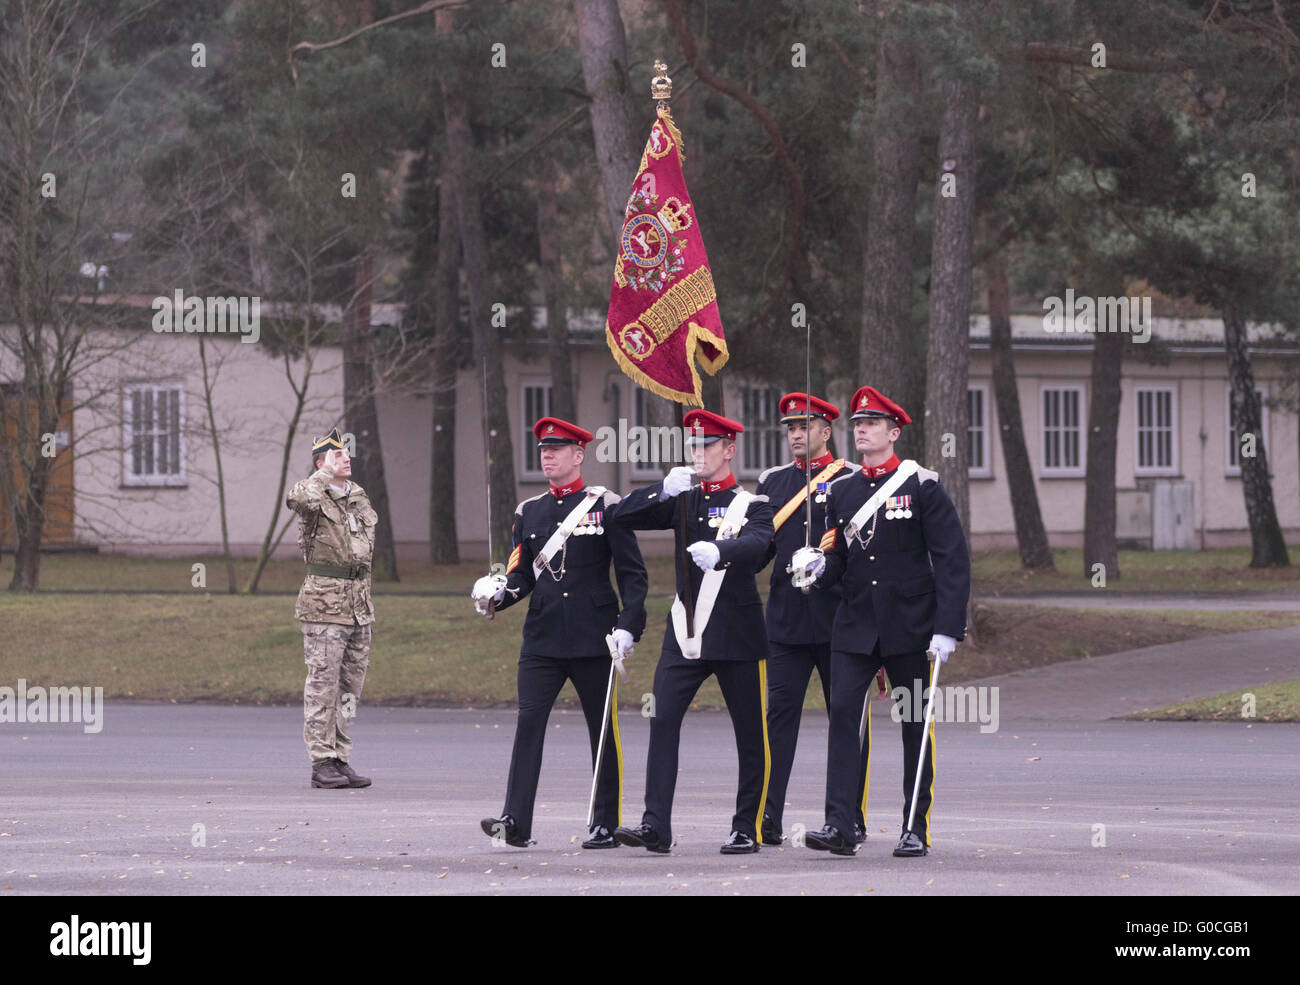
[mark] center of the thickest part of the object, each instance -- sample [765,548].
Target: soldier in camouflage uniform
[336,533]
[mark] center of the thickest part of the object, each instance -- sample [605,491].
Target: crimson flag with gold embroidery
[663,309]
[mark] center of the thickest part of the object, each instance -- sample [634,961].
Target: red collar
[817,463]
[559,492]
[720,485]
[876,471]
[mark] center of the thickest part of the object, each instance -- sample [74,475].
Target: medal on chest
[820,497]
[591,524]
[716,513]
[898,508]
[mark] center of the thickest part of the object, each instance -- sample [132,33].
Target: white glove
[489,587]
[806,566]
[942,646]
[705,554]
[678,481]
[623,640]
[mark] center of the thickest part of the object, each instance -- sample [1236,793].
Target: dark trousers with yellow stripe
[789,669]
[540,680]
[852,674]
[744,688]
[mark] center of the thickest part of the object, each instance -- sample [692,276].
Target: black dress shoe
[829,839]
[910,846]
[771,833]
[601,837]
[859,833]
[642,836]
[504,827]
[739,844]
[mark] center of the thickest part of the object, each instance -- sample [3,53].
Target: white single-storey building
[138,472]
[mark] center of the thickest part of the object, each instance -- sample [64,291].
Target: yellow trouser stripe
[618,750]
[767,750]
[866,780]
[932,775]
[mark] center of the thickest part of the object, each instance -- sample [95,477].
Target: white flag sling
[731,524]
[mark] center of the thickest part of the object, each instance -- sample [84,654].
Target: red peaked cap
[708,427]
[870,402]
[794,407]
[553,431]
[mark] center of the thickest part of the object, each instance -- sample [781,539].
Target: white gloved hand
[678,481]
[806,566]
[705,554]
[942,646]
[489,587]
[623,640]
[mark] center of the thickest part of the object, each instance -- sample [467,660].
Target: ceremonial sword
[487,447]
[615,664]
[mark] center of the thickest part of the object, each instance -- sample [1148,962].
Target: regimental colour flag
[663,309]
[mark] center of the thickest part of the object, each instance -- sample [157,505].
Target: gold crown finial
[661,87]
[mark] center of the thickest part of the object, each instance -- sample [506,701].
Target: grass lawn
[995,573]
[1220,570]
[1273,703]
[436,650]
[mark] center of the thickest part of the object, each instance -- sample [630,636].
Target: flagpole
[661,90]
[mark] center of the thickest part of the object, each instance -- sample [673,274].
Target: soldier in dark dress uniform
[897,551]
[571,610]
[798,623]
[727,535]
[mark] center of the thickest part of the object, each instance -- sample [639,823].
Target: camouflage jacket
[334,529]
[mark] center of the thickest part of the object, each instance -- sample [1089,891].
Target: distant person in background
[336,534]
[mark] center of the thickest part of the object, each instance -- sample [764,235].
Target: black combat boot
[355,779]
[326,774]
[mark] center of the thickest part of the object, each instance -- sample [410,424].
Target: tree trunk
[209,383]
[618,129]
[27,515]
[889,357]
[1099,545]
[300,400]
[1031,535]
[616,121]
[1267,546]
[361,417]
[444,545]
[948,361]
[551,273]
[487,338]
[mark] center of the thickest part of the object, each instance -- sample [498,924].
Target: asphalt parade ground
[1060,798]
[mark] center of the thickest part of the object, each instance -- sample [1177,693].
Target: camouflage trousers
[337,657]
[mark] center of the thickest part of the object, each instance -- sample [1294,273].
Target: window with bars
[762,444]
[1156,427]
[1234,437]
[154,434]
[977,432]
[536,405]
[1062,430]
